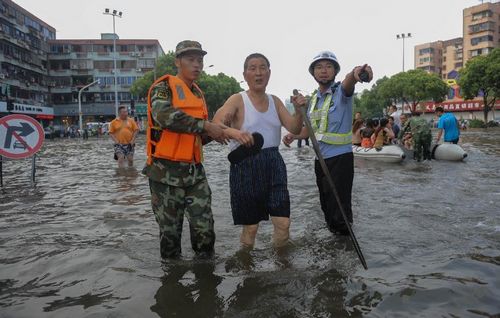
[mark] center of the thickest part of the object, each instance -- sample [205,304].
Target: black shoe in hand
[243,152]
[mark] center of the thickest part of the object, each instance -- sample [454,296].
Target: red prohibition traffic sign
[21,136]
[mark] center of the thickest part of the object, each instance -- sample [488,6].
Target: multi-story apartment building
[76,63]
[481,34]
[481,29]
[24,82]
[428,56]
[452,58]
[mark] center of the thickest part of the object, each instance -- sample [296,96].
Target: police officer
[177,128]
[330,112]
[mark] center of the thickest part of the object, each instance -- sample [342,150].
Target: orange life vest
[172,145]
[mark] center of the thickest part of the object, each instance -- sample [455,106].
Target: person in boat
[395,128]
[330,111]
[404,135]
[366,134]
[357,115]
[357,127]
[383,134]
[258,184]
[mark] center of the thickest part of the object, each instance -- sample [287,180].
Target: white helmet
[325,55]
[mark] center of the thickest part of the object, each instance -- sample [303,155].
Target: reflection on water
[83,242]
[189,290]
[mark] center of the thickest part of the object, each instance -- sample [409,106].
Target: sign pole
[21,137]
[33,169]
[1,171]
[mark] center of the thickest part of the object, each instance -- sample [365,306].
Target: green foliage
[217,88]
[481,74]
[370,102]
[413,87]
[476,123]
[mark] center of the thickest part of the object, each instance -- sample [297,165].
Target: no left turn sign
[21,136]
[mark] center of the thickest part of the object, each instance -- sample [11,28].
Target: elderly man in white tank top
[258,184]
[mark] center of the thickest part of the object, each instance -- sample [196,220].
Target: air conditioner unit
[2,76]
[138,70]
[132,54]
[74,67]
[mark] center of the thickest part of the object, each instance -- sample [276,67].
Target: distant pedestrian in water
[123,130]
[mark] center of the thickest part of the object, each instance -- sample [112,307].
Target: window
[103,65]
[130,64]
[484,38]
[480,51]
[482,14]
[126,80]
[485,26]
[428,50]
[425,60]
[123,96]
[146,63]
[459,65]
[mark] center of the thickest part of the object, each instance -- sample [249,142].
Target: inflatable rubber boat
[450,152]
[391,153]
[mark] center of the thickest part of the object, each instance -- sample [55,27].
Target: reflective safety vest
[319,122]
[166,144]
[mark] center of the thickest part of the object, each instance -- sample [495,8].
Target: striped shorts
[258,187]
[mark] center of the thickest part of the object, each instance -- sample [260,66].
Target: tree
[481,76]
[217,88]
[370,102]
[412,87]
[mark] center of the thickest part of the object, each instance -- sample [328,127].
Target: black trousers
[341,170]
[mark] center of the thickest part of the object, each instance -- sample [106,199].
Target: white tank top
[267,124]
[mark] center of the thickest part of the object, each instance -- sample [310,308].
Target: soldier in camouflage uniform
[422,137]
[177,187]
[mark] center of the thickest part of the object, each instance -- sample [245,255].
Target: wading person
[421,137]
[449,124]
[177,127]
[330,111]
[123,130]
[258,183]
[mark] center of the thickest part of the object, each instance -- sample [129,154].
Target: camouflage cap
[188,46]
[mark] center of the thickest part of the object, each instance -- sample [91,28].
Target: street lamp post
[403,37]
[80,120]
[114,14]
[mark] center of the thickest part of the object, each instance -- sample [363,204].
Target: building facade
[481,34]
[41,75]
[24,80]
[428,57]
[481,29]
[76,63]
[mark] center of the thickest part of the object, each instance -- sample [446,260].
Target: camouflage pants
[170,203]
[422,146]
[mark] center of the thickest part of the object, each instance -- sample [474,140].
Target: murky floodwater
[84,243]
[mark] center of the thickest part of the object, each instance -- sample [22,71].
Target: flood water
[84,243]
